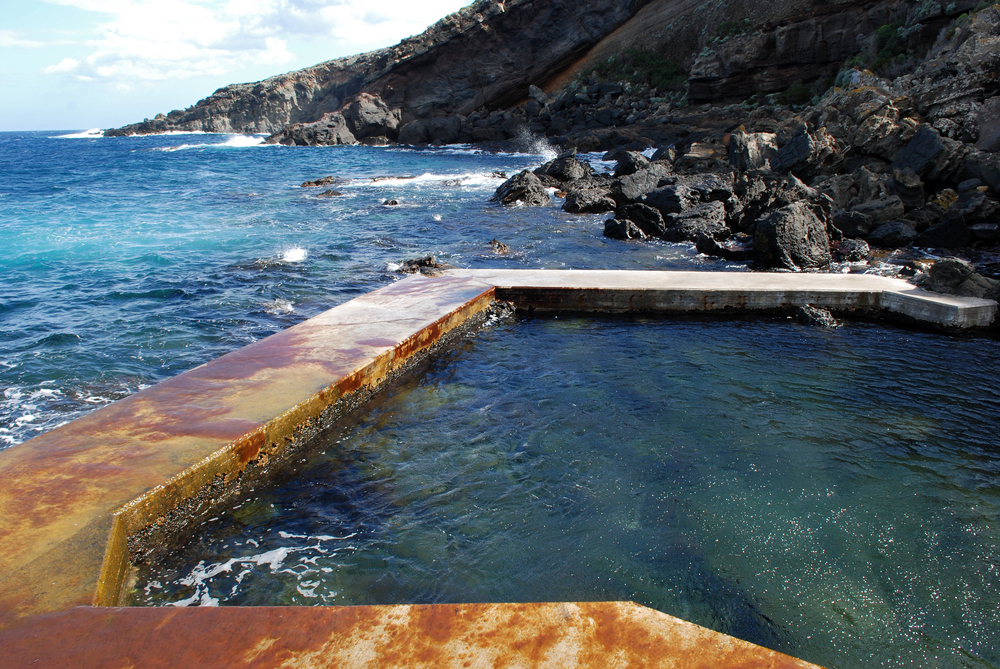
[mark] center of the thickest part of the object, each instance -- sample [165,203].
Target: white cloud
[12,40]
[154,40]
[67,65]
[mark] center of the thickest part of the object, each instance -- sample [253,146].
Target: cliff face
[485,57]
[485,54]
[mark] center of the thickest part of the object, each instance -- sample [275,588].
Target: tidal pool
[832,494]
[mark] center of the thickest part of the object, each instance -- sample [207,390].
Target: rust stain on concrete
[584,635]
[59,492]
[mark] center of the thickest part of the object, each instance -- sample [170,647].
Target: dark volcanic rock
[810,315]
[853,223]
[649,220]
[908,187]
[325,181]
[673,199]
[808,154]
[850,250]
[633,187]
[428,266]
[892,235]
[881,210]
[369,116]
[330,130]
[954,276]
[630,162]
[589,201]
[706,219]
[499,247]
[415,133]
[524,188]
[949,233]
[565,168]
[752,151]
[617,228]
[931,156]
[792,237]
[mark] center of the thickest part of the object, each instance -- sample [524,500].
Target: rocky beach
[792,136]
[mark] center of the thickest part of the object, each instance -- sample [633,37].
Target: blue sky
[80,64]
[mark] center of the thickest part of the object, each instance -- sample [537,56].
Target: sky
[81,64]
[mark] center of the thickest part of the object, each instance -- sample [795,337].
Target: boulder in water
[523,188]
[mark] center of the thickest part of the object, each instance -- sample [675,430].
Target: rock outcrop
[484,55]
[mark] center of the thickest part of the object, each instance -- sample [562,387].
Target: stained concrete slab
[623,291]
[71,498]
[584,635]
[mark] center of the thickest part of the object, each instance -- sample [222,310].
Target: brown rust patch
[585,635]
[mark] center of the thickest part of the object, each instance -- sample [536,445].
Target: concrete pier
[73,499]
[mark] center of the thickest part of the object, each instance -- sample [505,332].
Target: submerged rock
[428,266]
[810,315]
[499,247]
[325,181]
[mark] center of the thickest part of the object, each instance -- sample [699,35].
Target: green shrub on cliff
[731,28]
[889,44]
[643,67]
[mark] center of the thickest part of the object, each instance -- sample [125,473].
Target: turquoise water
[129,260]
[833,494]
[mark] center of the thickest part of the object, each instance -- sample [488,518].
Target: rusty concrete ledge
[580,635]
[72,499]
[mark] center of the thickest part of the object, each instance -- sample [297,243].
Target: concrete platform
[72,500]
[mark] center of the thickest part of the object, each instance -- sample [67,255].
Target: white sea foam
[294,255]
[201,576]
[279,306]
[469,179]
[93,133]
[234,142]
[597,161]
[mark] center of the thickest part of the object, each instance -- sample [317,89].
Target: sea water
[833,494]
[829,494]
[128,260]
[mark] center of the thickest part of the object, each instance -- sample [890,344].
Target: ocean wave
[447,180]
[234,142]
[93,133]
[27,411]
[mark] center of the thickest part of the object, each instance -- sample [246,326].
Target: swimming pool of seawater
[129,260]
[832,494]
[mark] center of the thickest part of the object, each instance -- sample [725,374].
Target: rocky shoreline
[868,168]
[818,163]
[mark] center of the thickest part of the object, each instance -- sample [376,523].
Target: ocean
[130,260]
[830,493]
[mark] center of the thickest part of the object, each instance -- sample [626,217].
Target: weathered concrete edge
[615,291]
[586,635]
[276,435]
